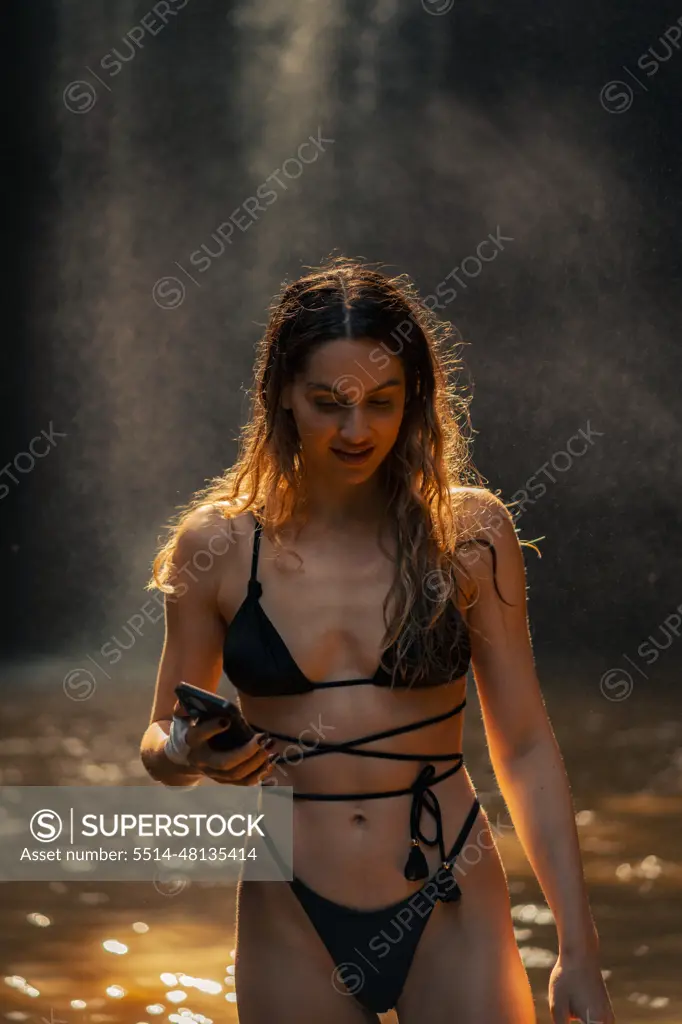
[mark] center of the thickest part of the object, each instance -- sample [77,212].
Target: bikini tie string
[423,799]
[416,867]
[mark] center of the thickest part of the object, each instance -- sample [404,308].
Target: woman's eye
[379,402]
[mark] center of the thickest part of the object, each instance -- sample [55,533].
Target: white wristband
[176,748]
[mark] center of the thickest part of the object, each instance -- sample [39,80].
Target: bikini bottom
[373,949]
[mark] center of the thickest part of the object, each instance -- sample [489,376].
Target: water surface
[624,760]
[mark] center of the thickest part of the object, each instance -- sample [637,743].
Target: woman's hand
[243,766]
[577,992]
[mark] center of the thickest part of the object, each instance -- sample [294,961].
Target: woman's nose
[354,428]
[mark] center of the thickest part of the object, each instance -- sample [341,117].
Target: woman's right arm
[193,643]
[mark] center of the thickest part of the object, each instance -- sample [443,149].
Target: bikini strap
[415,790]
[256,548]
[254,584]
[316,747]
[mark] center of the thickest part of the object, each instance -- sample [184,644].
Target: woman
[366,568]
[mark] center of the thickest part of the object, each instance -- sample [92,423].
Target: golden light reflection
[16,981]
[649,867]
[184,1016]
[40,920]
[203,984]
[532,913]
[535,956]
[113,946]
[116,991]
[176,995]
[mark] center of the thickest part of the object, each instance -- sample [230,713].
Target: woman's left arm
[525,756]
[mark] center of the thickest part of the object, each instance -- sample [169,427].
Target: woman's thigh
[467,968]
[283,972]
[452,983]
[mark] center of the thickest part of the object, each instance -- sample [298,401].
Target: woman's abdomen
[355,851]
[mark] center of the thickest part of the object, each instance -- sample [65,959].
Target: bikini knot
[423,798]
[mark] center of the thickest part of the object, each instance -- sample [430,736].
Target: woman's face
[342,403]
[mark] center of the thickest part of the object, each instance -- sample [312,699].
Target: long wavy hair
[430,460]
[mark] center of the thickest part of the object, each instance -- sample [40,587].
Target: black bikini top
[258,662]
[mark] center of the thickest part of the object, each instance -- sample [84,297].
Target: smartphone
[204,705]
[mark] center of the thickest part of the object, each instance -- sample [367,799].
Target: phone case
[205,705]
[239,733]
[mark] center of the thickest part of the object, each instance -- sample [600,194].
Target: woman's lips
[353,458]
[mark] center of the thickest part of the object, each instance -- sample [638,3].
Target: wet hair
[421,476]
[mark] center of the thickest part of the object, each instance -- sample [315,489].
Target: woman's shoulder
[487,541]
[480,514]
[213,532]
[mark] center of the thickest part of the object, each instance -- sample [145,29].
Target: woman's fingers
[180,711]
[244,765]
[228,778]
[232,764]
[197,737]
[235,759]
[202,731]
[249,765]
[240,771]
